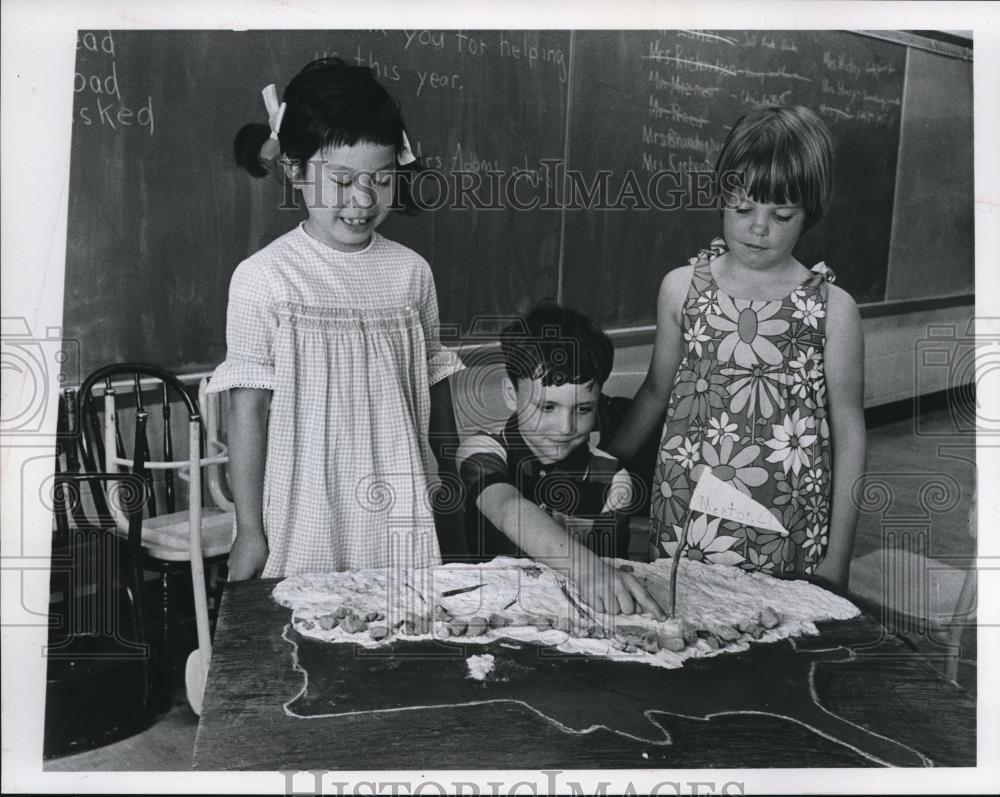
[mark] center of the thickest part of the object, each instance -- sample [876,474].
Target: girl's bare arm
[248,408]
[651,399]
[845,382]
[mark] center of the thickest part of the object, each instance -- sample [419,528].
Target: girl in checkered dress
[333,358]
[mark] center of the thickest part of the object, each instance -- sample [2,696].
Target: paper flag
[712,496]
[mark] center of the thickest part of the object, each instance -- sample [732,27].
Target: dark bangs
[367,120]
[352,109]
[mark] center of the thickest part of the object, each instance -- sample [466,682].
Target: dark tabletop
[853,696]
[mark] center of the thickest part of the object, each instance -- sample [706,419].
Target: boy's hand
[607,589]
[247,557]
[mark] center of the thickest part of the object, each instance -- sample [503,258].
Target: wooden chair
[99,680]
[173,540]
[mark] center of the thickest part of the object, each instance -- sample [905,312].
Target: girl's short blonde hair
[778,154]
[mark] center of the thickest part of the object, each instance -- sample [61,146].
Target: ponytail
[247,148]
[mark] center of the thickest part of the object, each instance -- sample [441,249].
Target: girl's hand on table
[247,557]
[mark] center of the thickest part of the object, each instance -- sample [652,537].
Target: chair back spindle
[93,440]
[91,443]
[142,438]
[135,517]
[119,442]
[69,434]
[168,452]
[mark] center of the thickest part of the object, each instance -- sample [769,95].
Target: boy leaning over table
[537,488]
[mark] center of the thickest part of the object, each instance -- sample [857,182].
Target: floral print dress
[749,402]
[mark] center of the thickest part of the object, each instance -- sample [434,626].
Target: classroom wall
[895,370]
[159,216]
[894,367]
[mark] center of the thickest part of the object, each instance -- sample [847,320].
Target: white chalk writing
[689,61]
[705,36]
[677,85]
[106,107]
[674,113]
[521,48]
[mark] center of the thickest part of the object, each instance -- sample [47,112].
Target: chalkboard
[682,92]
[933,243]
[159,216]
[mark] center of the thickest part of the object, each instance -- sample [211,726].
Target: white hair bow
[275,112]
[405,156]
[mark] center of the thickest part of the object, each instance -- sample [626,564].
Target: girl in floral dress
[759,364]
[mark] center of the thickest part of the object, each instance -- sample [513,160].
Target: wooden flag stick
[675,565]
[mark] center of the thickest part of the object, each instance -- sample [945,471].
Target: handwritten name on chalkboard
[101,85]
[689,69]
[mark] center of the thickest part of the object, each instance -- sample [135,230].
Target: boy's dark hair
[558,345]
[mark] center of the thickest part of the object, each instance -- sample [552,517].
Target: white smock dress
[348,344]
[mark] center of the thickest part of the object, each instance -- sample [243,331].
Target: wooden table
[853,696]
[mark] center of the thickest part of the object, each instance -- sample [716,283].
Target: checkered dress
[348,344]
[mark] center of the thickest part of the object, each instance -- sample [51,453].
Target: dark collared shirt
[587,484]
